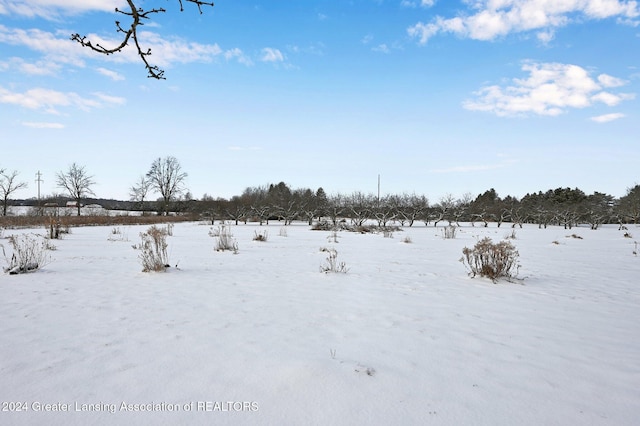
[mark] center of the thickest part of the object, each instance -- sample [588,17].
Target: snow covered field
[262,337]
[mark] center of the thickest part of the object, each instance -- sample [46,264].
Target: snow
[262,337]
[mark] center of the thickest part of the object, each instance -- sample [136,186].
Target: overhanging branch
[137,15]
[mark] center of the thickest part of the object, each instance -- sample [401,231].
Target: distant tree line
[279,202]
[562,206]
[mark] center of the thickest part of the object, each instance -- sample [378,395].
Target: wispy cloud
[50,101]
[490,19]
[41,125]
[238,55]
[270,54]
[550,89]
[608,117]
[417,3]
[41,67]
[382,48]
[113,75]
[51,9]
[57,49]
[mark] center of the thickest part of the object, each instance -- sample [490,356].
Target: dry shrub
[224,239]
[407,240]
[491,260]
[29,253]
[332,264]
[449,232]
[153,249]
[261,236]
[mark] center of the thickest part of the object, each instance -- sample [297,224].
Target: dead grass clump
[449,232]
[322,226]
[576,236]
[491,260]
[331,263]
[511,235]
[261,236]
[224,239]
[153,249]
[407,240]
[29,253]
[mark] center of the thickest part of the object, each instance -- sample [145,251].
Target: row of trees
[561,206]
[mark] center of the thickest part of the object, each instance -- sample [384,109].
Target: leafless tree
[139,191]
[166,176]
[76,182]
[9,185]
[138,16]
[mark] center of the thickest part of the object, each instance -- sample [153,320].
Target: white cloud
[40,125]
[50,101]
[238,55]
[491,19]
[58,49]
[608,117]
[608,81]
[550,89]
[270,54]
[382,48]
[30,68]
[111,74]
[114,100]
[416,3]
[52,8]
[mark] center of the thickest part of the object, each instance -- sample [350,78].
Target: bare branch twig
[137,16]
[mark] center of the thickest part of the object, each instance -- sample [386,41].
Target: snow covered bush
[332,264]
[491,260]
[153,249]
[29,253]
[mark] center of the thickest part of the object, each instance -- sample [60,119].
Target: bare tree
[166,176]
[139,191]
[137,15]
[76,182]
[9,185]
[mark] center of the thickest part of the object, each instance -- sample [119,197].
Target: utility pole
[38,180]
[378,190]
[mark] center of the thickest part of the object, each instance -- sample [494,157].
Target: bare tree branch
[137,15]
[8,185]
[76,182]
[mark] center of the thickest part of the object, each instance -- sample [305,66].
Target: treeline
[562,206]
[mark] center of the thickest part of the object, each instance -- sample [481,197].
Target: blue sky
[436,96]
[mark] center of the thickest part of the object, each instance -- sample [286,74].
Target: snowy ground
[262,337]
